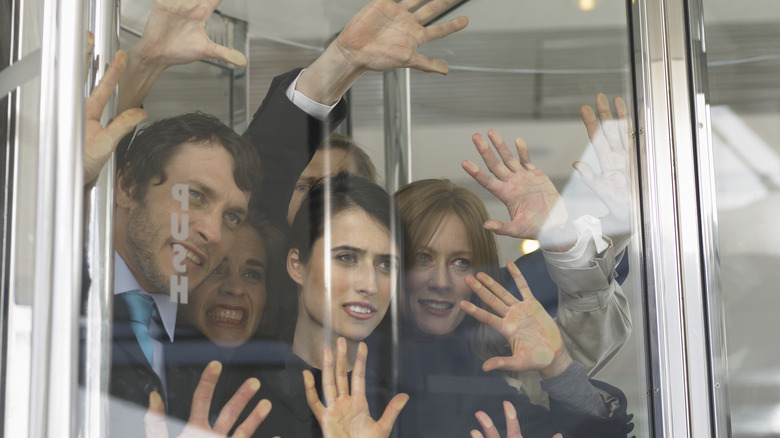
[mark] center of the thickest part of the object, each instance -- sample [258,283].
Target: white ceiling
[308,19]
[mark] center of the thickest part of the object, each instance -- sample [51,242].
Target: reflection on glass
[529,76]
[743,67]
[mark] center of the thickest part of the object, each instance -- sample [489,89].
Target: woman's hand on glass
[512,425]
[611,141]
[532,200]
[345,414]
[532,334]
[198,424]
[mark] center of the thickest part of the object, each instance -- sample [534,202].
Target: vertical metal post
[22,402]
[58,223]
[676,317]
[398,135]
[398,171]
[104,23]
[715,315]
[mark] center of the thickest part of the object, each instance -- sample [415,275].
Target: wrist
[137,79]
[329,77]
[558,238]
[142,56]
[559,364]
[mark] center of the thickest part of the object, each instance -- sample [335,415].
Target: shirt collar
[124,281]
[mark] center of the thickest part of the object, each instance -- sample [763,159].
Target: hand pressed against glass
[531,332]
[345,410]
[512,425]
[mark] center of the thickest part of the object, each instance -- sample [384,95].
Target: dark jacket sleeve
[286,138]
[575,425]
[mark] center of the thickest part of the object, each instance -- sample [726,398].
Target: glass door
[42,80]
[620,155]
[737,104]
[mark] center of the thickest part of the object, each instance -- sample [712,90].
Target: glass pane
[266,296]
[525,72]
[21,120]
[743,69]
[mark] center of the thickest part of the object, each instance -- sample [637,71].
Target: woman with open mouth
[242,293]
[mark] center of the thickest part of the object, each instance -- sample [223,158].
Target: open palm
[530,197]
[385,35]
[346,415]
[532,334]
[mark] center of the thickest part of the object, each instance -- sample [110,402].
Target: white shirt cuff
[310,107]
[588,229]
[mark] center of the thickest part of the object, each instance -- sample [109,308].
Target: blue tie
[141,308]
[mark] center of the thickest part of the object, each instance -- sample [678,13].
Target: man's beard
[139,242]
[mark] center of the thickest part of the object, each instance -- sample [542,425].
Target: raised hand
[345,415]
[198,425]
[611,142]
[532,334]
[512,425]
[174,34]
[532,200]
[383,36]
[99,142]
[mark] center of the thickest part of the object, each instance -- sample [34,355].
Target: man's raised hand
[383,36]
[100,142]
[175,34]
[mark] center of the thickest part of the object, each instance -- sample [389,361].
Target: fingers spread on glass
[611,142]
[198,424]
[346,414]
[529,195]
[100,142]
[489,428]
[532,334]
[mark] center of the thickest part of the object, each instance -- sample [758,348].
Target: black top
[446,387]
[281,379]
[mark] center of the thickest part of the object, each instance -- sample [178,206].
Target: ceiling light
[529,245]
[586,5]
